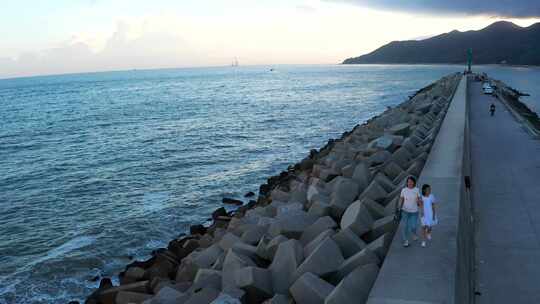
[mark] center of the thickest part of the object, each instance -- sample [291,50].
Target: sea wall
[465,266]
[442,272]
[521,112]
[317,233]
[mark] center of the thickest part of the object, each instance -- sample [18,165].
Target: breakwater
[510,97]
[315,230]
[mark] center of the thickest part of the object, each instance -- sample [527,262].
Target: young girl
[428,217]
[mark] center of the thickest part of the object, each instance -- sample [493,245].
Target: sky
[68,36]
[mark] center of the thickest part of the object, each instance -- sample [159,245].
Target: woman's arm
[401,201]
[420,204]
[419,200]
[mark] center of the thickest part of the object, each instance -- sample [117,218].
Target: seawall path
[506,193]
[485,172]
[428,275]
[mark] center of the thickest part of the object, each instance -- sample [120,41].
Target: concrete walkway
[506,195]
[417,275]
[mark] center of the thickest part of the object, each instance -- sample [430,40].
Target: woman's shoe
[406,244]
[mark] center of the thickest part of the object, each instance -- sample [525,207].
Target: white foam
[73,244]
[154,244]
[155,201]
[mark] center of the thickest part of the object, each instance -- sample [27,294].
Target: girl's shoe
[423,243]
[406,244]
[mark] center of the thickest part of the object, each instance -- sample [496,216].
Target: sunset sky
[65,36]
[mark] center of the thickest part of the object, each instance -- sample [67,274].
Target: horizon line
[253,65]
[152,69]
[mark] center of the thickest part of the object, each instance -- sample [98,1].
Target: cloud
[122,50]
[306,9]
[502,8]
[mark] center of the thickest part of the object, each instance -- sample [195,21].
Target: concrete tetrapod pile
[318,232]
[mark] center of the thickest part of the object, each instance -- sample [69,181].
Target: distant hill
[501,42]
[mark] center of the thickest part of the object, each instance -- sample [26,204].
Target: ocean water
[100,169]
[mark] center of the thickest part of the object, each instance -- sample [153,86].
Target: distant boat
[271,69]
[235,62]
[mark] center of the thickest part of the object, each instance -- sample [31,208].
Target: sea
[99,169]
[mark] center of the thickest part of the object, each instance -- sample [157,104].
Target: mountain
[500,42]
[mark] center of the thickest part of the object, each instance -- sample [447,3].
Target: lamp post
[469,60]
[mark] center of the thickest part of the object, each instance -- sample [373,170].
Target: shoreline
[368,160]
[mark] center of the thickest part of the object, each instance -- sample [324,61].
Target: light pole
[469,60]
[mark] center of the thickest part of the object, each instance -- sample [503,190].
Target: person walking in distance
[409,203]
[492,109]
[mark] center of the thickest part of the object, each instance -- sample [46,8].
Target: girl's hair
[411,178]
[425,187]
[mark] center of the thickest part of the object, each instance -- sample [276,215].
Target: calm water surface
[96,168]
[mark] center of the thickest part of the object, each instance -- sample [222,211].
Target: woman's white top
[427,219]
[410,199]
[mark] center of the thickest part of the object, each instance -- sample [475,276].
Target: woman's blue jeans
[410,222]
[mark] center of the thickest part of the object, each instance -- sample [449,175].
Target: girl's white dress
[427,219]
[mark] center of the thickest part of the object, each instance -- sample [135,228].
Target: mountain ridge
[499,42]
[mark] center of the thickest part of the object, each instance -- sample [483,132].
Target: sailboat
[235,62]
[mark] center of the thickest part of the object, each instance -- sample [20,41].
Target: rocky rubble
[318,232]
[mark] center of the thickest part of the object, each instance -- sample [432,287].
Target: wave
[9,284]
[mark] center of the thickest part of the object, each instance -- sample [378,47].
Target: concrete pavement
[506,196]
[417,275]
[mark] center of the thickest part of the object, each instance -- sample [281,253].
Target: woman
[409,201]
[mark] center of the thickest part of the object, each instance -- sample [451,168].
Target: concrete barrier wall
[439,273]
[465,240]
[516,108]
